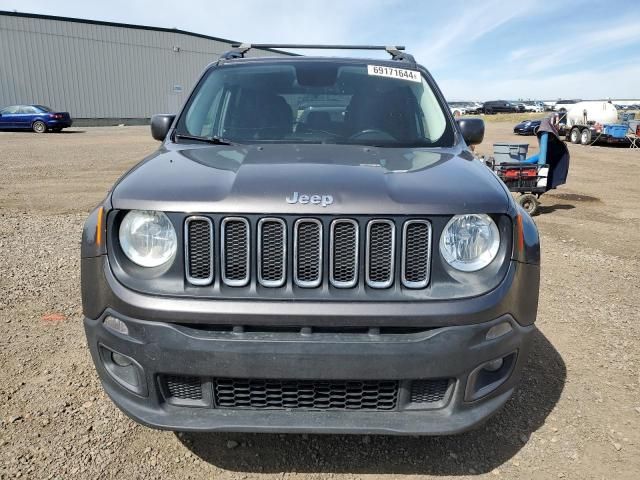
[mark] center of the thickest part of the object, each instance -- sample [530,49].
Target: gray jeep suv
[313,248]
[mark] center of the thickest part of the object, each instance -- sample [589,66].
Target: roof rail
[239,49]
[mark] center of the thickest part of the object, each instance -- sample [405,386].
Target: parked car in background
[520,107]
[474,107]
[527,127]
[536,107]
[34,117]
[564,105]
[457,108]
[499,106]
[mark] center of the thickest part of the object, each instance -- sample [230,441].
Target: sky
[476,50]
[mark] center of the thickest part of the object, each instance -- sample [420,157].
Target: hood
[358,180]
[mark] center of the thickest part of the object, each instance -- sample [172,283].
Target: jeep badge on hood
[324,200]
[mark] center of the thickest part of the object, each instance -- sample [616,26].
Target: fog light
[117,325]
[488,376]
[124,370]
[499,330]
[120,360]
[492,366]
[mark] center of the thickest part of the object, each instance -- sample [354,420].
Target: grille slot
[305,394]
[416,253]
[429,391]
[198,233]
[184,388]
[235,251]
[307,253]
[380,253]
[343,258]
[272,252]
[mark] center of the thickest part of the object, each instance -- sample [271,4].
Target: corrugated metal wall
[100,71]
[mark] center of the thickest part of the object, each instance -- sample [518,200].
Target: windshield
[317,102]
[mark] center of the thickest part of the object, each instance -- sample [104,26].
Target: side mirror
[472,130]
[160,125]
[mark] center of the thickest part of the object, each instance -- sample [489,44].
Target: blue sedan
[33,117]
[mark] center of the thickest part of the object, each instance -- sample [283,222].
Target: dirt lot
[576,415]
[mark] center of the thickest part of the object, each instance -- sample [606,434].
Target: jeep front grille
[308,253]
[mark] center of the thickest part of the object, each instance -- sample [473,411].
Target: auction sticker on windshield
[391,72]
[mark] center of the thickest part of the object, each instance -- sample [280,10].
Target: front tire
[39,126]
[529,202]
[574,136]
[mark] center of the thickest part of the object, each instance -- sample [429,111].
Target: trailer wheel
[575,135]
[585,137]
[529,202]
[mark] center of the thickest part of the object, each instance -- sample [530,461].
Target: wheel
[585,137]
[575,135]
[39,126]
[529,202]
[488,111]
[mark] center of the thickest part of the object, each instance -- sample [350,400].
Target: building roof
[128,25]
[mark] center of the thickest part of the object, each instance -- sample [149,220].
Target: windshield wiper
[213,140]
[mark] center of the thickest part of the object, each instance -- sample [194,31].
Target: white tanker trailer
[590,122]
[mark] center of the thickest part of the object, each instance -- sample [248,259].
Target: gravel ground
[576,414]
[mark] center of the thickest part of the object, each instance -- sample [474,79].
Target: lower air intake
[305,394]
[429,391]
[183,388]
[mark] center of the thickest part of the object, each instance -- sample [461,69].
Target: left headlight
[148,238]
[470,242]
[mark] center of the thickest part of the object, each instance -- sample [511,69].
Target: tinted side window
[10,110]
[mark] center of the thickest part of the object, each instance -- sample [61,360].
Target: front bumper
[194,338]
[453,353]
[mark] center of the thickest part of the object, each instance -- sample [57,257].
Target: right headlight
[470,242]
[148,238]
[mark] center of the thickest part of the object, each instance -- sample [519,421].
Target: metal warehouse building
[101,72]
